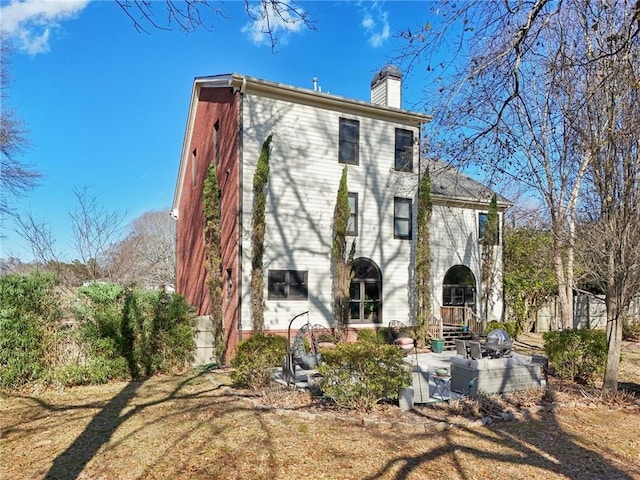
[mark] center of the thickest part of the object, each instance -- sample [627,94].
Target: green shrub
[577,354]
[33,293]
[372,336]
[29,306]
[256,359]
[630,329]
[96,371]
[358,375]
[510,327]
[21,353]
[147,332]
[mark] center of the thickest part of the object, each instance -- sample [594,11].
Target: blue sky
[106,106]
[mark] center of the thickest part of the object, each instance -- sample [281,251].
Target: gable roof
[449,184]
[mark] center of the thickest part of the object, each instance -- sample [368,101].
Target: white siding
[454,241]
[303,183]
[387,92]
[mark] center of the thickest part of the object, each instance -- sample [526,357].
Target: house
[315,135]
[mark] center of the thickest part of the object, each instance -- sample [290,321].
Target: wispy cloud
[375,22]
[31,22]
[268,24]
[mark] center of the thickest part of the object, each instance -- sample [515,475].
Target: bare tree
[95,229]
[522,95]
[16,178]
[191,15]
[147,254]
[37,233]
[607,126]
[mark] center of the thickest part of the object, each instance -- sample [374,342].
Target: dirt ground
[195,426]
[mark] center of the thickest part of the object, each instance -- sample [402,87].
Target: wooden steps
[450,333]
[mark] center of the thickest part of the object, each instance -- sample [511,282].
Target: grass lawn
[191,426]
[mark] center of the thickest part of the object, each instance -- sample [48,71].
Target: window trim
[286,284]
[343,141]
[400,150]
[407,201]
[353,215]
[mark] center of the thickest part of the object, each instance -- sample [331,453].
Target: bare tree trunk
[614,339]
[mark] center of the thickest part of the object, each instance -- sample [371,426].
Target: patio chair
[461,348]
[475,350]
[306,335]
[401,335]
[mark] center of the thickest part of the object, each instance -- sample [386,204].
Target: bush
[577,354]
[372,336]
[28,307]
[33,293]
[630,329]
[97,370]
[358,375]
[21,353]
[133,332]
[256,359]
[510,327]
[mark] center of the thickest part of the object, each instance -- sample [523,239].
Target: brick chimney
[386,87]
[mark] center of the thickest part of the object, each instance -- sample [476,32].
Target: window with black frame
[404,150]
[288,285]
[402,218]
[349,141]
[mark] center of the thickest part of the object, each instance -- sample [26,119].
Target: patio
[462,379]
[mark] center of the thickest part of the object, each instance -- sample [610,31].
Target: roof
[449,183]
[386,71]
[244,83]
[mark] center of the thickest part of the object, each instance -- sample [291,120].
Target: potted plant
[437,344]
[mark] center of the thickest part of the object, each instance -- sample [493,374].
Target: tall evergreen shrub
[341,261]
[260,178]
[423,257]
[213,262]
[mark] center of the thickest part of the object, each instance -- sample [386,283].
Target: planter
[437,345]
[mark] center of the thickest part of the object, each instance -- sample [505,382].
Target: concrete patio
[423,389]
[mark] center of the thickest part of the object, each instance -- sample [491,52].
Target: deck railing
[435,327]
[461,316]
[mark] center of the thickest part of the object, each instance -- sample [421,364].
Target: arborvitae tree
[341,262]
[213,262]
[260,179]
[489,240]
[423,257]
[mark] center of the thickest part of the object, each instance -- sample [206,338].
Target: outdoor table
[497,350]
[441,385]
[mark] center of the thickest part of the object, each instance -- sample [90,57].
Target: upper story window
[404,150]
[402,218]
[288,285]
[352,224]
[483,219]
[349,140]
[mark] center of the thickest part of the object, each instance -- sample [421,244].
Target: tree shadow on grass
[70,463]
[540,443]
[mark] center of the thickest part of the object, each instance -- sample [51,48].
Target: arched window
[459,288]
[365,302]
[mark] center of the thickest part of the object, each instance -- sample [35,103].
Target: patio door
[459,288]
[365,292]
